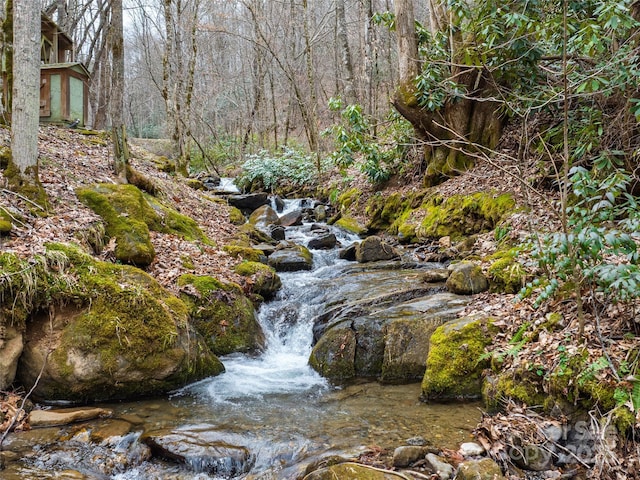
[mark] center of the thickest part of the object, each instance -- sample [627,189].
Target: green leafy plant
[359,141]
[269,171]
[599,250]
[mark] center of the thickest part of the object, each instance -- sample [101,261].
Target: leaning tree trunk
[453,133]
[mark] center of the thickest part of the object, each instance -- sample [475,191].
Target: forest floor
[70,159]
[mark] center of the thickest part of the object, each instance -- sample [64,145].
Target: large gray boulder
[291,259]
[323,242]
[248,202]
[466,278]
[292,218]
[263,216]
[373,249]
[382,333]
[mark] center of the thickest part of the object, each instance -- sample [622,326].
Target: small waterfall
[287,323]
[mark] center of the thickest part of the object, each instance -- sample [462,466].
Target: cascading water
[273,405]
[287,324]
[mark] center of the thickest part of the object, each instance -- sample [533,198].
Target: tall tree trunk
[26,85]
[451,131]
[311,107]
[120,159]
[25,110]
[7,60]
[368,54]
[347,64]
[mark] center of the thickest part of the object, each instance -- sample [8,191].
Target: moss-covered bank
[103,331]
[129,215]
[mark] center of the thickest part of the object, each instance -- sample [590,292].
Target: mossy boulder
[264,280]
[333,356]
[222,314]
[386,213]
[127,216]
[406,349]
[245,253]
[351,225]
[466,278]
[292,259]
[111,332]
[373,249]
[383,211]
[454,363]
[457,216]
[505,273]
[236,216]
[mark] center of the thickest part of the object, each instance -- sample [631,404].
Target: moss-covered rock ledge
[98,331]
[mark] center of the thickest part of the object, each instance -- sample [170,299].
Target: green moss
[247,268]
[28,185]
[246,253]
[204,285]
[505,273]
[222,314]
[333,356]
[195,184]
[350,224]
[348,198]
[382,211]
[236,217]
[127,217]
[5,222]
[264,279]
[187,262]
[444,163]
[521,386]
[454,362]
[174,223]
[463,215]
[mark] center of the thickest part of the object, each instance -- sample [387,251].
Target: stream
[273,405]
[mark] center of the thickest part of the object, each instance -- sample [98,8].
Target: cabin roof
[55,66]
[51,28]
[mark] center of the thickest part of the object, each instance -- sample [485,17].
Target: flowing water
[273,404]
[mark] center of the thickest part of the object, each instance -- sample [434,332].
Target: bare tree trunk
[7,60]
[25,111]
[369,52]
[178,75]
[310,109]
[257,77]
[347,64]
[120,158]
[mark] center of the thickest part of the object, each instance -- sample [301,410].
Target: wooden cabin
[64,83]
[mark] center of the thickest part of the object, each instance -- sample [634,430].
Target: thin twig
[4,190]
